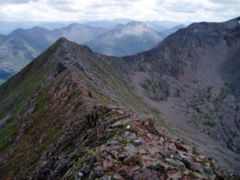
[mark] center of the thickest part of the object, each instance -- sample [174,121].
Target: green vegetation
[234,134]
[197,109]
[156,112]
[145,86]
[226,84]
[210,124]
[167,93]
[43,100]
[159,121]
[209,89]
[150,85]
[192,175]
[2,115]
[195,81]
[2,81]
[7,135]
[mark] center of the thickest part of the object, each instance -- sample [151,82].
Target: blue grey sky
[85,10]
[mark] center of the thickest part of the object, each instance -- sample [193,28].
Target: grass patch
[210,124]
[192,175]
[167,93]
[2,81]
[209,89]
[156,112]
[9,131]
[197,109]
[145,86]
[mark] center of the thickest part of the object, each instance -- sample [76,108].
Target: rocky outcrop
[121,146]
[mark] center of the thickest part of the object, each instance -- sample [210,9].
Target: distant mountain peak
[75,25]
[139,23]
[17,31]
[137,28]
[63,40]
[127,39]
[135,23]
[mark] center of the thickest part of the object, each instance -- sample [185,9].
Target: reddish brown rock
[107,164]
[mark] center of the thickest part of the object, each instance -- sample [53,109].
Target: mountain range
[134,37]
[20,46]
[169,112]
[9,26]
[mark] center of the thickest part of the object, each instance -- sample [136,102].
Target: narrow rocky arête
[52,128]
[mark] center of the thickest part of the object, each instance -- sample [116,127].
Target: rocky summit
[168,113]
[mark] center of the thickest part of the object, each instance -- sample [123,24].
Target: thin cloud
[75,10]
[16,1]
[225,1]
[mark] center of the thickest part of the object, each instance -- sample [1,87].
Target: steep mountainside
[134,37]
[75,113]
[192,79]
[20,47]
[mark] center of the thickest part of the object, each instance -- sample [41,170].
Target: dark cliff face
[73,112]
[192,53]
[192,77]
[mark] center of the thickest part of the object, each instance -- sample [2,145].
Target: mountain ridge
[177,82]
[66,90]
[20,46]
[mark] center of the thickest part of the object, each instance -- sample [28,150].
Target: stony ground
[121,145]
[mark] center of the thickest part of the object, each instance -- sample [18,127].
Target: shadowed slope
[191,78]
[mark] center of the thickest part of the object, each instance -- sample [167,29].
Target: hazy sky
[79,10]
